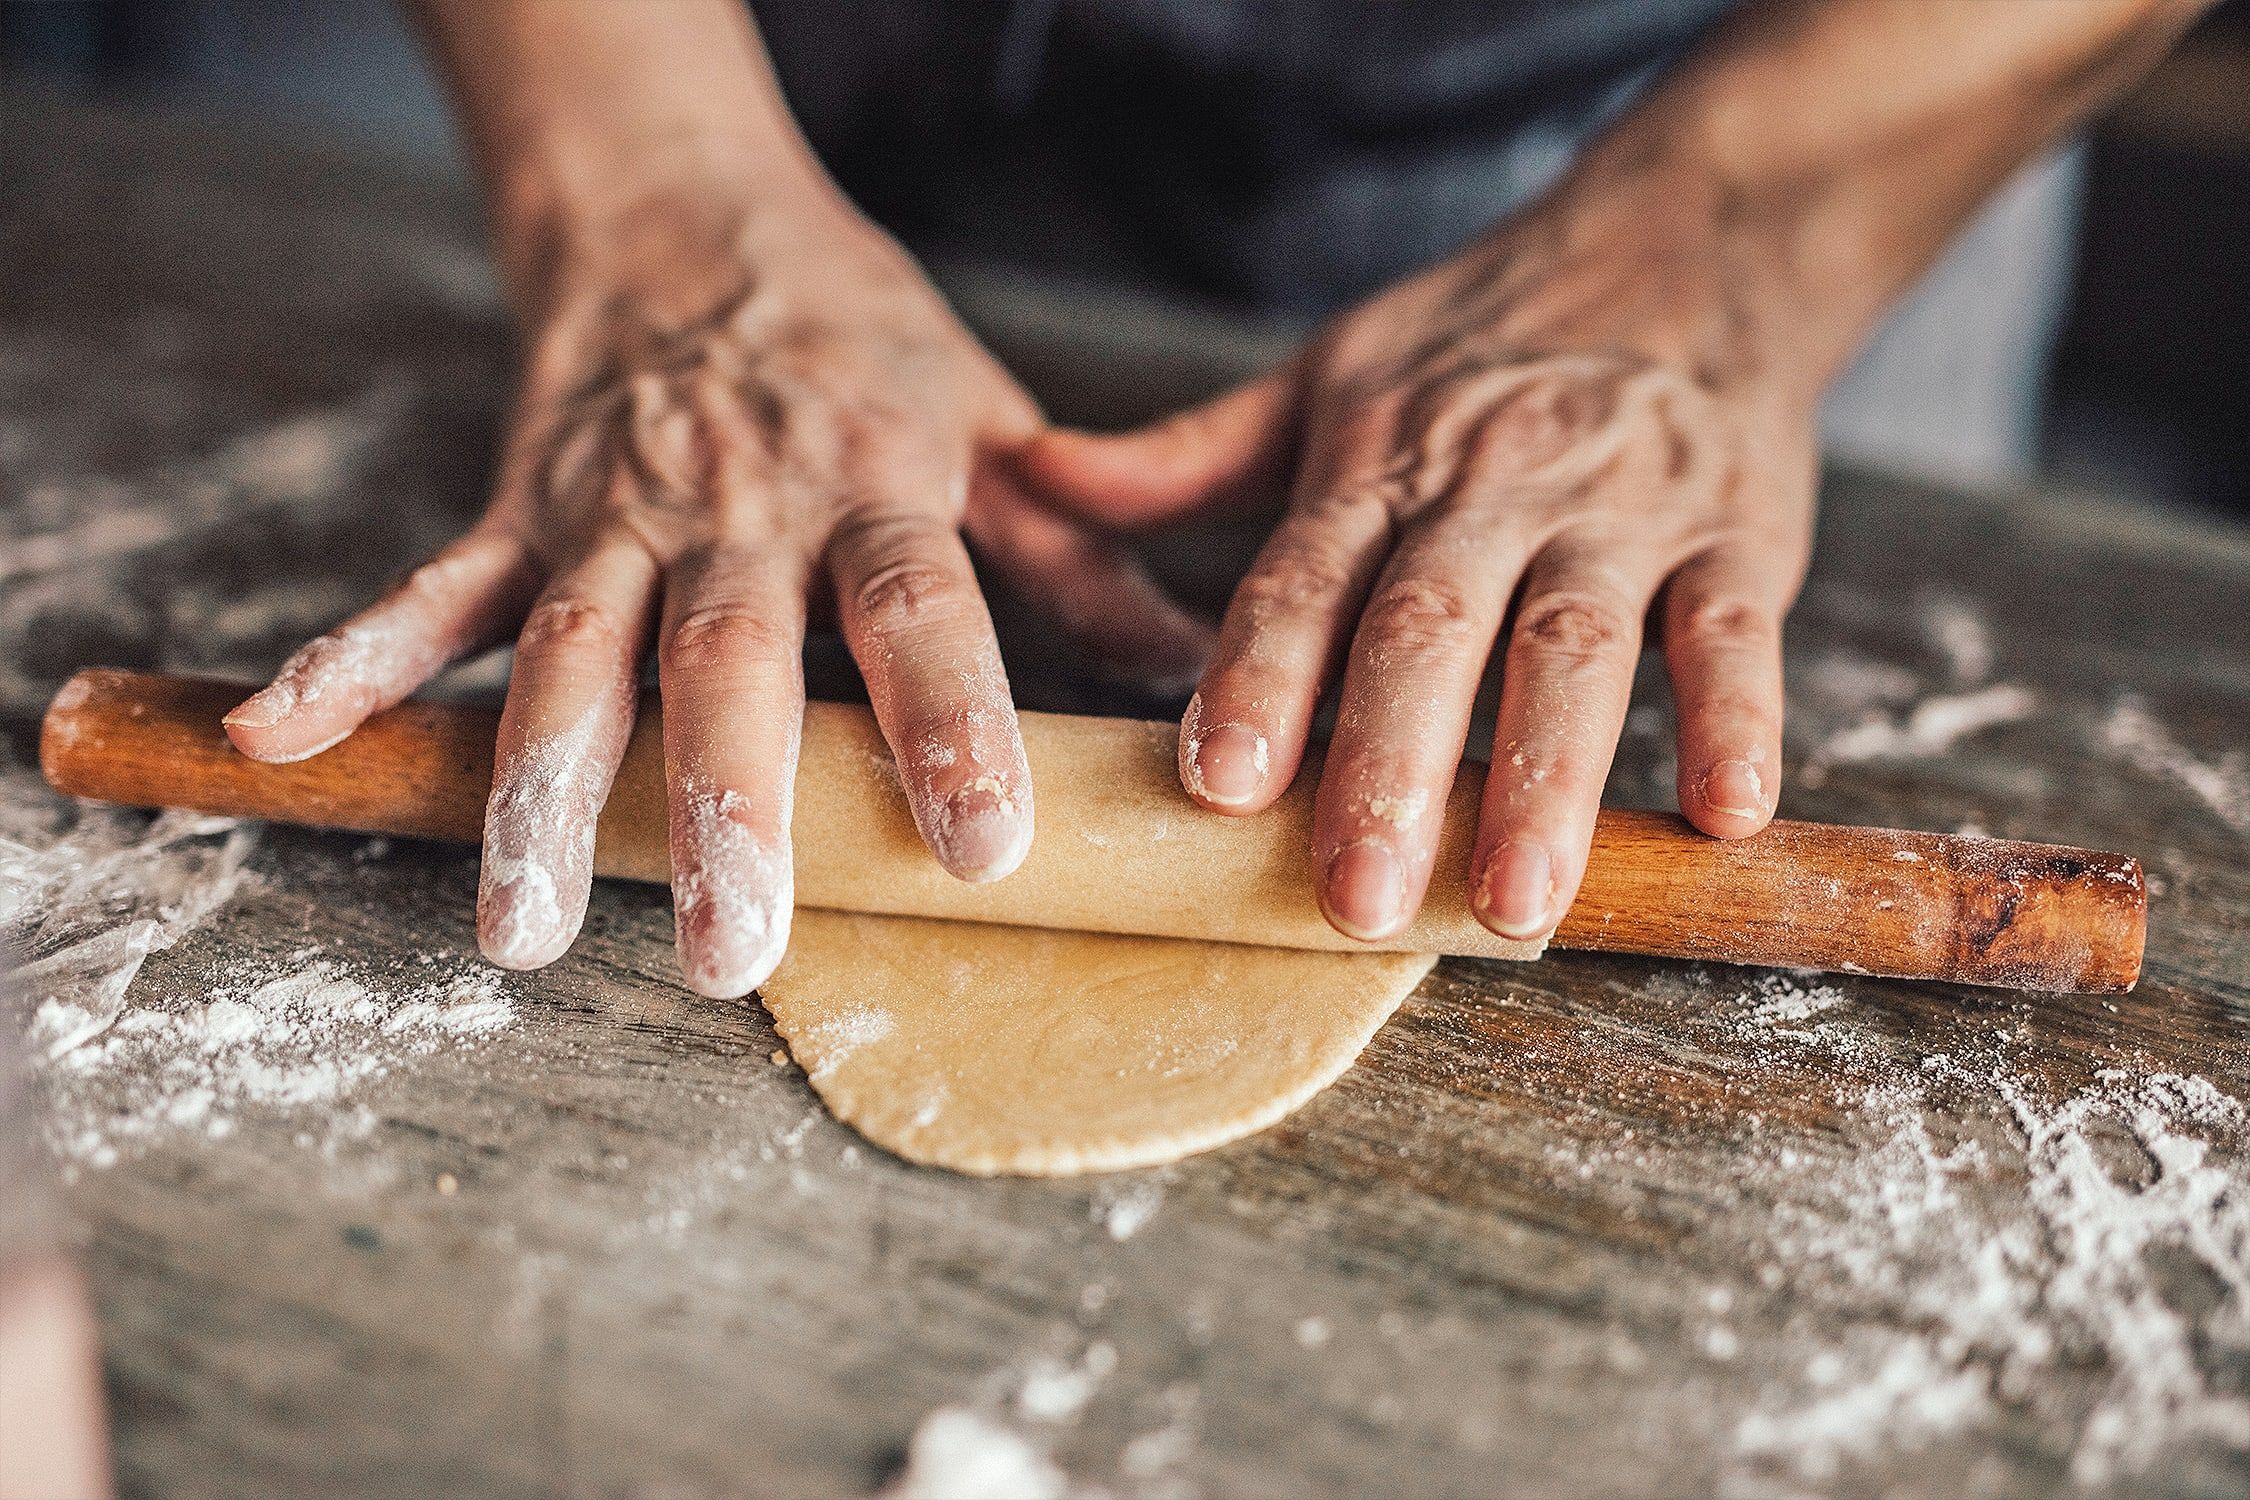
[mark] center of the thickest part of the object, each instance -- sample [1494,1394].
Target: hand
[715,424]
[1588,412]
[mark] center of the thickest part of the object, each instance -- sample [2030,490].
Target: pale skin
[742,403]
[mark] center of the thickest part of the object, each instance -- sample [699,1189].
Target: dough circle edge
[1007,1051]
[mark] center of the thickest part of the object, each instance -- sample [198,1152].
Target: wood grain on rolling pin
[1120,849]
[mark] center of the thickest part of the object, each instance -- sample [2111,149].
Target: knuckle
[1725,622]
[1294,583]
[443,575]
[905,593]
[571,627]
[899,569]
[1422,615]
[1732,706]
[1733,717]
[1370,500]
[728,635]
[1575,626]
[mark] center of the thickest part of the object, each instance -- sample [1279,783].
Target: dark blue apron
[1281,155]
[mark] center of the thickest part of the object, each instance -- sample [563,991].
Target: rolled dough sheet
[1039,1053]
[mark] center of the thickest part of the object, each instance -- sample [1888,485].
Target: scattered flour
[314,456]
[838,1038]
[303,1039]
[1053,1391]
[88,893]
[1124,1206]
[1944,1279]
[1778,998]
[2222,784]
[957,1454]
[998,1440]
[1957,629]
[1932,726]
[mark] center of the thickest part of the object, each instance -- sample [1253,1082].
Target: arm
[589,119]
[1862,136]
[737,395]
[1601,411]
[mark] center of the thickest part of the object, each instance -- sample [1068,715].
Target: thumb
[1218,451]
[1092,587]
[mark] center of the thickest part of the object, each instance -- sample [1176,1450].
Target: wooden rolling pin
[1121,849]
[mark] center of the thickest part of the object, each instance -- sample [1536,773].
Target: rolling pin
[1121,849]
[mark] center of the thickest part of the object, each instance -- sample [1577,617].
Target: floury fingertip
[732,896]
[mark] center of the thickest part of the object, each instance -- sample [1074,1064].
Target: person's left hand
[1589,410]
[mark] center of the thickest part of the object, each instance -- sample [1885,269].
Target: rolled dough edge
[885,1123]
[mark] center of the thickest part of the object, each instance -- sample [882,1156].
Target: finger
[1565,687]
[1403,718]
[457,603]
[569,710]
[1217,451]
[1244,733]
[1094,589]
[1722,647]
[731,668]
[917,625]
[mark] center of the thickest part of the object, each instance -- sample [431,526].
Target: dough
[1039,1053]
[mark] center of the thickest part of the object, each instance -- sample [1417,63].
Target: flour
[1957,630]
[88,894]
[301,1040]
[1123,1207]
[1932,726]
[1857,709]
[2221,784]
[1401,812]
[745,882]
[1970,1273]
[314,456]
[1841,683]
[539,837]
[1053,1391]
[956,1454]
[836,1040]
[991,1444]
[1778,998]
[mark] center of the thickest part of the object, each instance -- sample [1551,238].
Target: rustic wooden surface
[1594,1226]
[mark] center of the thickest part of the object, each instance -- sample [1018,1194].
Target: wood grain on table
[1591,1226]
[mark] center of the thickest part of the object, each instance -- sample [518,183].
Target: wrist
[1843,146]
[1657,252]
[565,216]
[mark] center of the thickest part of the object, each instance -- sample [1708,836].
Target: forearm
[588,117]
[1855,138]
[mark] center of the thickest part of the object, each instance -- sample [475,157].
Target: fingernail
[982,832]
[261,710]
[1733,787]
[537,872]
[520,922]
[1230,765]
[731,900]
[1517,894]
[1366,890]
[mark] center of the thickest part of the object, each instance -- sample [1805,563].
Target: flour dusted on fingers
[732,893]
[539,841]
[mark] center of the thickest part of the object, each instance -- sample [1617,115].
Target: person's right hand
[716,423]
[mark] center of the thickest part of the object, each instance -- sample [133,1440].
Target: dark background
[2150,389]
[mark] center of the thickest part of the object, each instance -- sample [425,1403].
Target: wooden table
[1592,1226]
